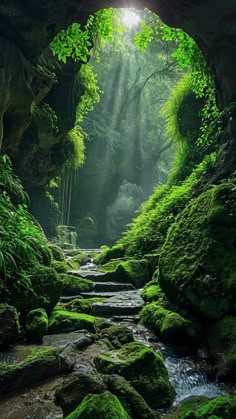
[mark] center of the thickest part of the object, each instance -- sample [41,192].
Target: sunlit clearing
[130,18]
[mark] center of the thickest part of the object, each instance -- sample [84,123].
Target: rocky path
[122,301]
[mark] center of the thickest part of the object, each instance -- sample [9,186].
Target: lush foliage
[21,241]
[149,229]
[76,41]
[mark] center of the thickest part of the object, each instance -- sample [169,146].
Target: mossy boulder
[131,271]
[132,401]
[62,321]
[36,325]
[38,363]
[117,251]
[197,262]
[57,252]
[9,325]
[222,346]
[153,292]
[144,369]
[118,335]
[82,305]
[74,285]
[41,287]
[223,407]
[81,258]
[100,406]
[171,327]
[60,267]
[76,386]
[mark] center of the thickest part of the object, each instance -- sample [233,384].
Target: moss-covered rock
[170,326]
[62,321]
[38,364]
[153,292]
[132,401]
[76,386]
[118,335]
[81,258]
[197,263]
[108,253]
[82,305]
[60,266]
[9,325]
[223,407]
[36,325]
[222,346]
[100,406]
[131,271]
[39,288]
[74,285]
[57,252]
[144,369]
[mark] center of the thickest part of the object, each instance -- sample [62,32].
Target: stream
[186,373]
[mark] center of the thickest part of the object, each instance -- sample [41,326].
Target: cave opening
[128,150]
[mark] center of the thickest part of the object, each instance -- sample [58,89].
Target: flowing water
[186,373]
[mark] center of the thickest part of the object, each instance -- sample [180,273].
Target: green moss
[133,271]
[223,407]
[144,369]
[73,285]
[57,252]
[115,252]
[100,406]
[81,258]
[222,346]
[60,267]
[153,292]
[148,231]
[118,335]
[132,401]
[80,305]
[197,263]
[72,264]
[38,364]
[36,324]
[62,321]
[170,326]
[39,288]
[111,265]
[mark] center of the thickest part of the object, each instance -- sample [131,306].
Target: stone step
[126,319]
[112,286]
[93,275]
[93,294]
[124,303]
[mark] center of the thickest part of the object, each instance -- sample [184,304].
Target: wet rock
[123,303]
[100,406]
[36,325]
[144,369]
[130,398]
[82,305]
[118,335]
[112,286]
[9,325]
[76,386]
[39,364]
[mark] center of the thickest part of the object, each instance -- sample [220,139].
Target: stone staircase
[122,300]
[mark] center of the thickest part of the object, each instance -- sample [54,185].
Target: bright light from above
[130,18]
